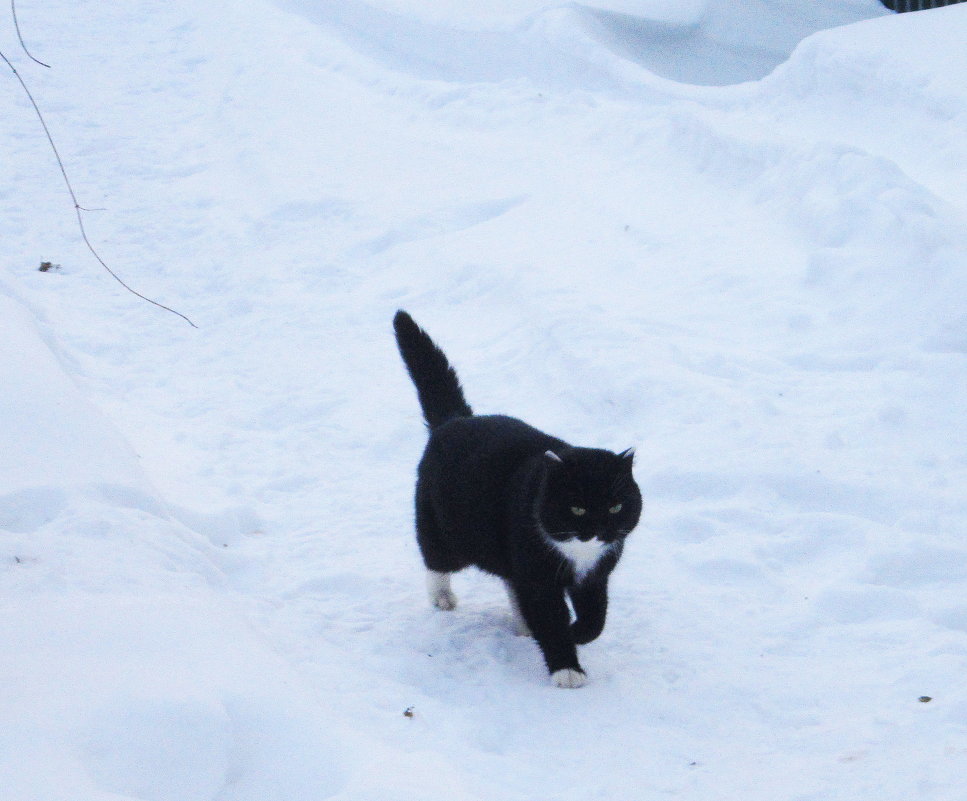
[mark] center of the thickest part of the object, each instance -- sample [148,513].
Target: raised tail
[437,386]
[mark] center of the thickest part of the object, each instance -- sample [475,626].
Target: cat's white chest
[583,556]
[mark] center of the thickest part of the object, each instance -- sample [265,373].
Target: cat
[546,517]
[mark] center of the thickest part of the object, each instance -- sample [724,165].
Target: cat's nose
[587,536]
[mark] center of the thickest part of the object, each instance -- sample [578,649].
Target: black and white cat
[494,492]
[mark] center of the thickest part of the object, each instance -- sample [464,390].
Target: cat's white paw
[569,678]
[444,599]
[438,587]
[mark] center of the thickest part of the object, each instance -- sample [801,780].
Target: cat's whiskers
[564,562]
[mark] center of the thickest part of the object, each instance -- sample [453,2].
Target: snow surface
[624,224]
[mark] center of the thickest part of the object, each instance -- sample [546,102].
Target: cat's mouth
[578,539]
[598,538]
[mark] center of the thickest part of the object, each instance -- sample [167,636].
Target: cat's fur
[494,492]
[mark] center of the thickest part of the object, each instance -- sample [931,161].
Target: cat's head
[589,495]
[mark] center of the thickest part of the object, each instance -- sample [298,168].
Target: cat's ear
[552,458]
[627,457]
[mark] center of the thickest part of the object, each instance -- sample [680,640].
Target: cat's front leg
[590,601]
[546,614]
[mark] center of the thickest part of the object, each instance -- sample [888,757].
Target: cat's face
[589,496]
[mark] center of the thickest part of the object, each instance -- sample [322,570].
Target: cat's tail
[437,386]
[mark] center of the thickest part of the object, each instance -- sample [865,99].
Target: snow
[733,236]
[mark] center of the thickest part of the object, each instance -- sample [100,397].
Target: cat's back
[479,455]
[489,439]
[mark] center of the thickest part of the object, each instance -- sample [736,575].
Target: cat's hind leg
[569,678]
[438,587]
[521,629]
[439,563]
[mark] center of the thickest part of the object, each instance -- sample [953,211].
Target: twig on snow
[16,24]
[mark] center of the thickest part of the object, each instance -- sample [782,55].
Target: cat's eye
[615,509]
[577,511]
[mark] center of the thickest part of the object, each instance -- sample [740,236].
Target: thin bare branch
[16,24]
[77,207]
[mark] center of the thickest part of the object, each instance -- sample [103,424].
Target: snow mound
[59,439]
[715,43]
[702,42]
